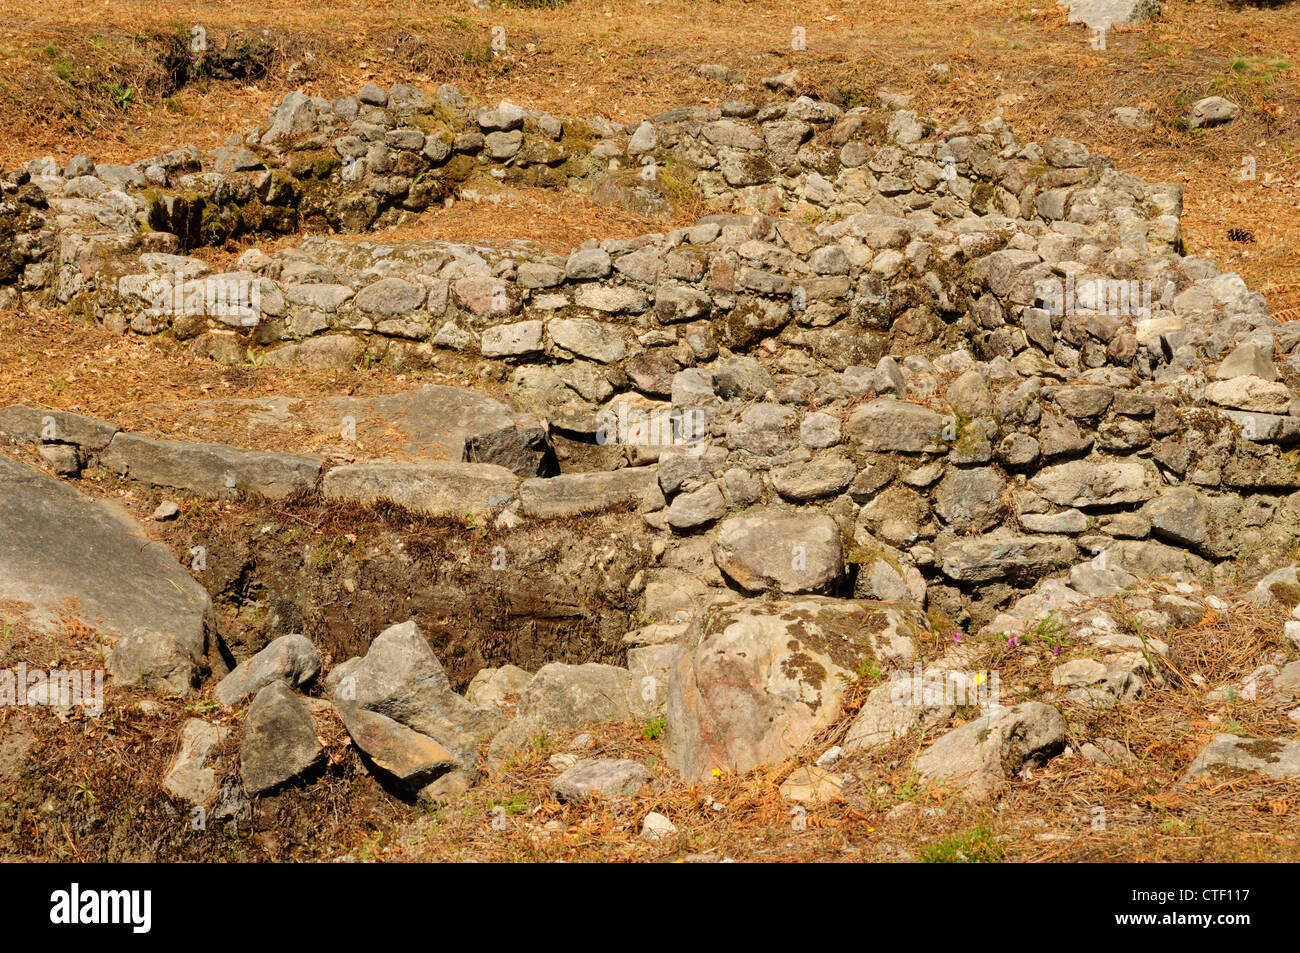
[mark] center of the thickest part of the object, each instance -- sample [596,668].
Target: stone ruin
[902,378]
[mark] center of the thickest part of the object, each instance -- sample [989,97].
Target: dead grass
[629,59]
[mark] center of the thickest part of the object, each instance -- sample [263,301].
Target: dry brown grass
[629,59]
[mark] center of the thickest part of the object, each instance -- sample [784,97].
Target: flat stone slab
[431,489]
[34,425]
[431,423]
[211,470]
[576,493]
[68,557]
[602,777]
[1229,756]
[410,758]
[191,778]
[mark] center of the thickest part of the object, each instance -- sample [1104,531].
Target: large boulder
[755,680]
[66,557]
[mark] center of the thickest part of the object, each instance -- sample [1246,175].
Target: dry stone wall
[901,372]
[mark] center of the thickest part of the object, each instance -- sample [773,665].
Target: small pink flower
[1013,641]
[956,637]
[1056,650]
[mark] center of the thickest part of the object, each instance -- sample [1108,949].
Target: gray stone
[756,680]
[503,145]
[399,677]
[741,377]
[970,500]
[906,703]
[331,352]
[894,425]
[191,778]
[562,698]
[524,451]
[1212,111]
[373,94]
[1088,483]
[1250,393]
[291,659]
[819,430]
[589,339]
[792,551]
[505,117]
[601,777]
[969,395]
[441,488]
[1000,556]
[979,758]
[35,425]
[512,340]
[61,547]
[279,740]
[643,139]
[576,493]
[825,475]
[763,429]
[1102,14]
[493,686]
[697,508]
[390,296]
[1248,359]
[411,760]
[211,470]
[1230,756]
[588,263]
